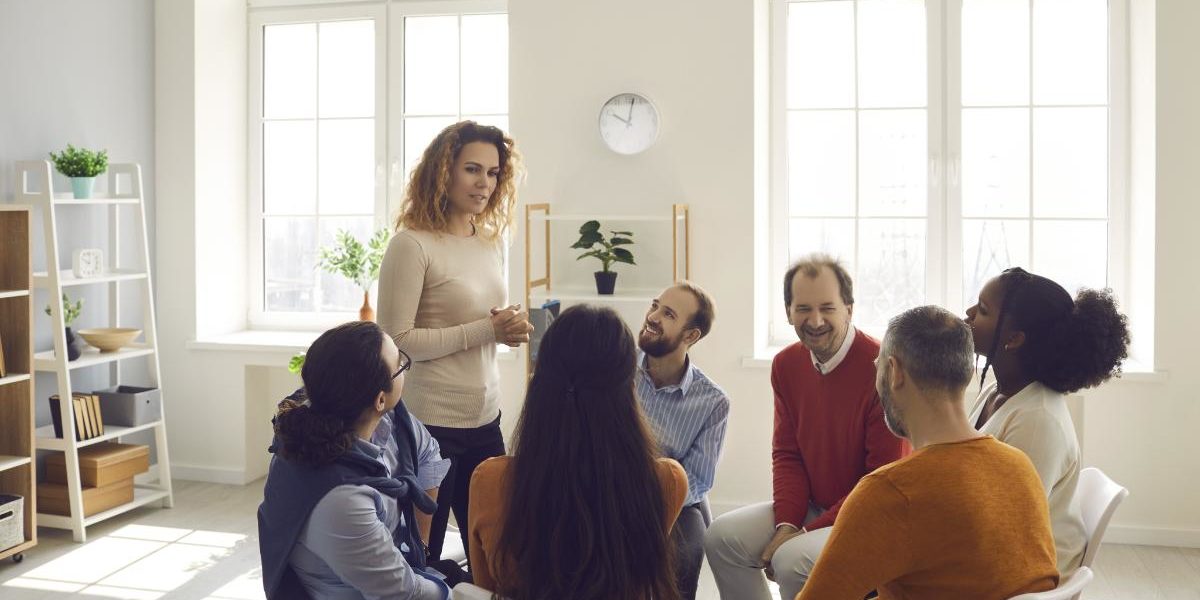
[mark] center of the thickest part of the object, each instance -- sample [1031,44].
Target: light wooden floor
[206,548]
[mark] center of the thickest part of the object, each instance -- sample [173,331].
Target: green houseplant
[82,166]
[357,262]
[608,252]
[70,313]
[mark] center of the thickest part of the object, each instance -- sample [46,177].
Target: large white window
[343,101]
[929,144]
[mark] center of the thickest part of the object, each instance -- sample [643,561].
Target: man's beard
[659,346]
[890,416]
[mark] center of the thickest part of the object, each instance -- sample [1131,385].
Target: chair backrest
[1067,589]
[468,591]
[1098,498]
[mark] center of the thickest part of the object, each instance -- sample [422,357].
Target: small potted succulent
[608,252]
[82,166]
[70,313]
[357,262]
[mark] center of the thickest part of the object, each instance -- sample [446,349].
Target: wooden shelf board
[605,219]
[46,440]
[8,461]
[19,548]
[14,378]
[67,278]
[45,361]
[636,295]
[13,293]
[142,495]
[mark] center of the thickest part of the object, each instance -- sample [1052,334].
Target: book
[82,430]
[96,416]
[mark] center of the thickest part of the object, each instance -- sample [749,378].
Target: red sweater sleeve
[882,448]
[788,473]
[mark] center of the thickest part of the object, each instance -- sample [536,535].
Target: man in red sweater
[829,432]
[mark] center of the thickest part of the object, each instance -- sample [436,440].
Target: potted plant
[609,252]
[357,262]
[82,166]
[70,313]
[296,363]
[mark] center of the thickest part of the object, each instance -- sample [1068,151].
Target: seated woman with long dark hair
[583,507]
[351,474]
[1043,344]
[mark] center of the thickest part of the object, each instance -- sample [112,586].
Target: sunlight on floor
[141,562]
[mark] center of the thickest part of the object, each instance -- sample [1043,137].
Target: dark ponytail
[344,371]
[1069,344]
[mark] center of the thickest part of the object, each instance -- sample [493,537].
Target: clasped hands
[783,533]
[511,325]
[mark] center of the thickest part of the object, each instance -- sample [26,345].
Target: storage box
[130,406]
[53,499]
[12,521]
[101,464]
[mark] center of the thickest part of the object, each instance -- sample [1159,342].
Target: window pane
[989,247]
[820,55]
[347,167]
[995,162]
[290,71]
[834,237]
[1070,51]
[290,255]
[995,52]
[892,163]
[431,65]
[485,64]
[418,132]
[891,53]
[1070,162]
[821,163]
[289,167]
[1073,253]
[337,292]
[891,269]
[347,69]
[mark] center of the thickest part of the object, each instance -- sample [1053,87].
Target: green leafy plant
[70,311]
[80,162]
[610,250]
[353,260]
[296,363]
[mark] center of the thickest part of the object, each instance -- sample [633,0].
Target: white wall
[696,60]
[78,72]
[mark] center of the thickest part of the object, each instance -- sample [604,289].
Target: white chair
[1067,589]
[468,591]
[1099,497]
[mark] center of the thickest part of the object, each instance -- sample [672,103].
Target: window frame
[944,229]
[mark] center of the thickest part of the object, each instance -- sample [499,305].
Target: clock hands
[629,119]
[617,117]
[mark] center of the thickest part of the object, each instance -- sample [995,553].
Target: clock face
[628,123]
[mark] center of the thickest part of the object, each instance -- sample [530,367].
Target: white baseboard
[1152,536]
[209,474]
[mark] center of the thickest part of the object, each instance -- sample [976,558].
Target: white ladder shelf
[54,280]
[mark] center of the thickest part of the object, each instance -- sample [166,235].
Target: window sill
[1132,372]
[283,342]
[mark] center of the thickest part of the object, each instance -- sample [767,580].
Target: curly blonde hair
[425,203]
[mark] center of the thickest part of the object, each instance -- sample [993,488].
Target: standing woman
[441,287]
[1043,345]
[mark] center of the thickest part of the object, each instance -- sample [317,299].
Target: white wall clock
[628,123]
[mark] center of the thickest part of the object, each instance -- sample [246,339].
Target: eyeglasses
[405,364]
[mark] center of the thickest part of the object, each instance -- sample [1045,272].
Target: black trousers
[465,448]
[687,540]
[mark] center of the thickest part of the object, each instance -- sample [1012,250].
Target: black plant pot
[606,281]
[74,345]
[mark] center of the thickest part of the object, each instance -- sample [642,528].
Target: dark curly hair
[1069,344]
[344,371]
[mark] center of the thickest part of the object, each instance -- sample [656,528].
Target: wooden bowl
[109,339]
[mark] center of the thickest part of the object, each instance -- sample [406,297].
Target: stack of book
[86,408]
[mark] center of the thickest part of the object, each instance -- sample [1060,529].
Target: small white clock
[88,262]
[628,123]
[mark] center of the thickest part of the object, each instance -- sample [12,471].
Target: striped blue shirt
[689,420]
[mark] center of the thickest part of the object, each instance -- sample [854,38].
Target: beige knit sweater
[436,292]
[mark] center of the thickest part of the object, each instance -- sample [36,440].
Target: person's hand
[511,325]
[783,533]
